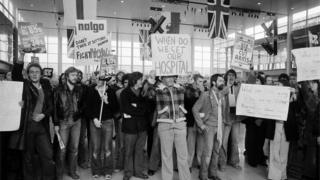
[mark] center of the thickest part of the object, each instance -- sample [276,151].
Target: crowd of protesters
[140,124]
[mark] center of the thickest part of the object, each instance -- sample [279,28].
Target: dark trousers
[119,147]
[101,142]
[133,150]
[70,135]
[38,161]
[84,157]
[155,156]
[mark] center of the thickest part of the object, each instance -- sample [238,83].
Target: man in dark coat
[33,136]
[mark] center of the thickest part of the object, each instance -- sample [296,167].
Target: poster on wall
[11,95]
[261,101]
[308,63]
[171,54]
[32,37]
[91,43]
[242,52]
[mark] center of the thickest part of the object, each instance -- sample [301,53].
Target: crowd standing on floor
[175,125]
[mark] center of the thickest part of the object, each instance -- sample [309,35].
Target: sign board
[171,54]
[109,65]
[308,63]
[35,59]
[242,51]
[91,41]
[47,72]
[261,101]
[11,95]
[32,37]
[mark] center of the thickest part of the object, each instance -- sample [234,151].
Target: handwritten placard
[91,41]
[32,37]
[242,51]
[10,110]
[308,63]
[269,102]
[171,54]
[109,65]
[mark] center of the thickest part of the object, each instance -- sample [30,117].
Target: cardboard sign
[242,51]
[47,72]
[308,63]
[32,37]
[11,95]
[35,59]
[91,41]
[171,54]
[261,101]
[109,65]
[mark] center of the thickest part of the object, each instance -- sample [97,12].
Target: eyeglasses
[34,72]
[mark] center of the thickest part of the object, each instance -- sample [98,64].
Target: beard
[220,87]
[73,83]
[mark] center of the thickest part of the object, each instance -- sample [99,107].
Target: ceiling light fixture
[122,1]
[259,3]
[163,6]
[292,8]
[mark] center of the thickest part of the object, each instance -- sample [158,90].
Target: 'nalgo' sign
[171,54]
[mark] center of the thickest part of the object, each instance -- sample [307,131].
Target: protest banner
[32,37]
[261,101]
[91,41]
[35,59]
[109,65]
[10,110]
[242,51]
[171,54]
[308,63]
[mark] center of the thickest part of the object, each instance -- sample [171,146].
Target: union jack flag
[218,17]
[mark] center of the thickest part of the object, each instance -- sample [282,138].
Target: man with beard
[67,119]
[209,112]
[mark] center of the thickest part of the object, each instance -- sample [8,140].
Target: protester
[269,80]
[281,133]
[68,104]
[172,128]
[134,127]
[33,136]
[101,129]
[194,138]
[210,112]
[8,76]
[232,123]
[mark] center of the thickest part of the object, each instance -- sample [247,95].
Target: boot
[73,166]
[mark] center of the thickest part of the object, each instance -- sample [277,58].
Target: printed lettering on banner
[261,101]
[242,51]
[32,37]
[91,41]
[308,63]
[171,54]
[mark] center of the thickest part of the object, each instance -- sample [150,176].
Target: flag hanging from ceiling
[218,17]
[144,40]
[78,9]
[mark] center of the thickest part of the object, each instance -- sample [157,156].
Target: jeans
[174,134]
[133,153]
[210,156]
[101,143]
[155,156]
[84,158]
[234,131]
[119,146]
[38,161]
[70,135]
[195,142]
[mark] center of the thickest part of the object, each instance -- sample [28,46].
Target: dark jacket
[133,109]
[29,97]
[63,99]
[191,95]
[93,104]
[290,126]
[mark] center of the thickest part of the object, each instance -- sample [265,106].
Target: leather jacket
[68,104]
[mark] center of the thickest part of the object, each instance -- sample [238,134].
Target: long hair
[214,78]
[134,77]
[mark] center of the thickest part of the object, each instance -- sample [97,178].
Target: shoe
[190,169]
[215,178]
[151,172]
[236,166]
[222,168]
[74,176]
[116,170]
[95,176]
[126,178]
[176,170]
[142,176]
[108,177]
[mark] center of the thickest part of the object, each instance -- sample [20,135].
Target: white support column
[59,48]
[192,54]
[289,41]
